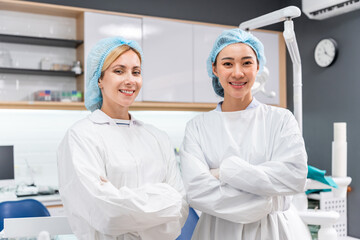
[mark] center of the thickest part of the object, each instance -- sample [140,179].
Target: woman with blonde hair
[118,176]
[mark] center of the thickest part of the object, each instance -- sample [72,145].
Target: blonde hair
[114,54]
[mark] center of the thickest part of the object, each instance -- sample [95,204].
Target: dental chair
[189,226]
[21,209]
[327,216]
[29,218]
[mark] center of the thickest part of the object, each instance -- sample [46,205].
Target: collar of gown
[254,103]
[99,117]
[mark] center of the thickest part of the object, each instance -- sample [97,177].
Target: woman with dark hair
[242,162]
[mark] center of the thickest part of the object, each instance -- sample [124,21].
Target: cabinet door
[271,43]
[98,26]
[168,63]
[204,38]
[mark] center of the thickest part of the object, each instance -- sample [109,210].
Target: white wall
[36,135]
[172,122]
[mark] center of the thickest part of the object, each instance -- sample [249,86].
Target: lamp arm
[285,14]
[271,18]
[291,44]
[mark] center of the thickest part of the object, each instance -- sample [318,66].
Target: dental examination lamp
[285,15]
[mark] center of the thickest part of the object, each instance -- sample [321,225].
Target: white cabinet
[168,64]
[98,26]
[271,42]
[204,38]
[175,55]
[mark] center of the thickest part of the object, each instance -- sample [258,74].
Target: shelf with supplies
[55,42]
[41,56]
[38,72]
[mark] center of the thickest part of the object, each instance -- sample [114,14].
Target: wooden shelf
[43,105]
[38,72]
[54,42]
[172,106]
[137,106]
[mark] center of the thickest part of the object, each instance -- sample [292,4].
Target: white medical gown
[262,161]
[143,197]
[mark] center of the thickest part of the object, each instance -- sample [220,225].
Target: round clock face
[325,52]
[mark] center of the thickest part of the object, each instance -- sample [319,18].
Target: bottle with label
[76,67]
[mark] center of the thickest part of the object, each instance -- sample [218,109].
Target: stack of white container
[336,199]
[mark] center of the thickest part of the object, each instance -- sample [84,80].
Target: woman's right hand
[215,172]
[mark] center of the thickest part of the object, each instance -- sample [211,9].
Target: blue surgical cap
[226,38]
[95,61]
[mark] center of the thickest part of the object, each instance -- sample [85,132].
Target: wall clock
[326,52]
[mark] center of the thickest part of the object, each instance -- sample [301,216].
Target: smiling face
[236,67]
[120,83]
